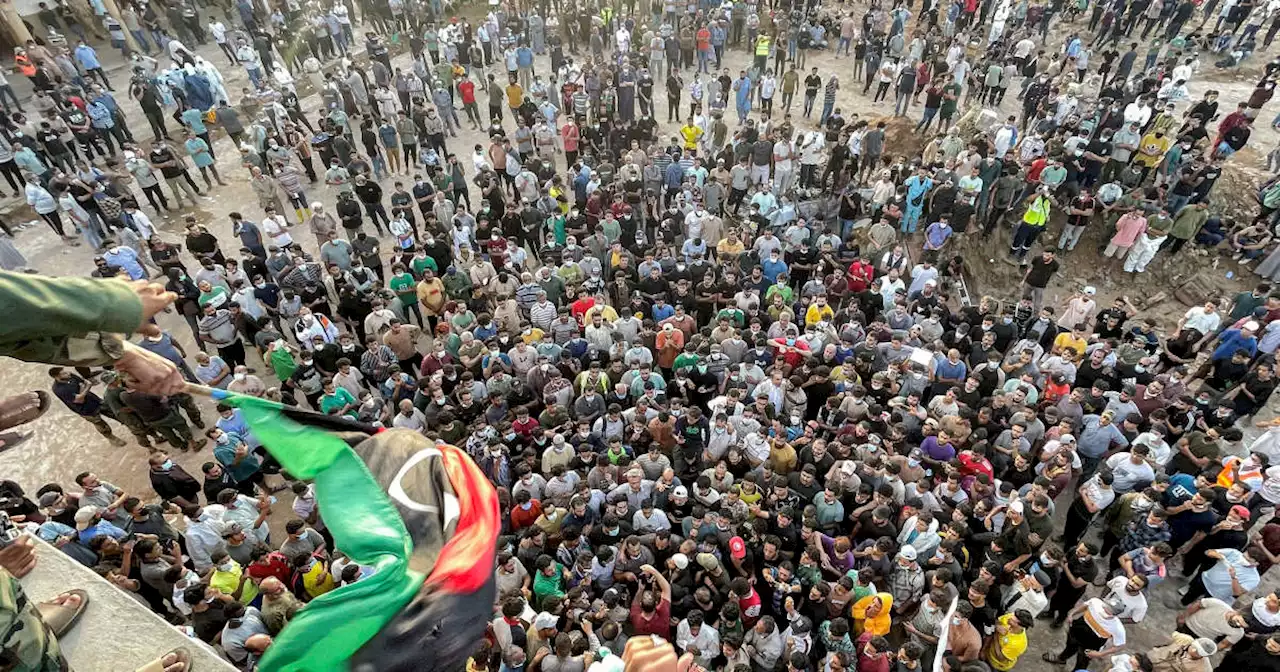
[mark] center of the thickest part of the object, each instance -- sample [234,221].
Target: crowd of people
[718,369]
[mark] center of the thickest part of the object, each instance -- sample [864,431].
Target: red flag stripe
[466,560]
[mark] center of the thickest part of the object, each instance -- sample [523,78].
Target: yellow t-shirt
[1067,340]
[317,581]
[1006,648]
[726,248]
[227,582]
[1151,149]
[691,135]
[815,314]
[515,95]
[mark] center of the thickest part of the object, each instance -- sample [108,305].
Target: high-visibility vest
[1038,213]
[762,45]
[1225,478]
[25,66]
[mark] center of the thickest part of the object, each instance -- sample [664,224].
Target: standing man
[77,394]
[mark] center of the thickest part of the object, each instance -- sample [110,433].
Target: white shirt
[1160,450]
[219,32]
[1127,473]
[707,641]
[1135,606]
[1110,626]
[1137,114]
[278,230]
[1202,321]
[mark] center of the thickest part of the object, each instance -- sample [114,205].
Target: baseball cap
[737,548]
[680,560]
[85,516]
[680,491]
[544,621]
[1242,512]
[908,552]
[49,499]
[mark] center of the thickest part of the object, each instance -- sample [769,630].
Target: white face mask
[238,376]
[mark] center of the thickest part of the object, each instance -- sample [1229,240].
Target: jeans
[1177,202]
[140,36]
[255,75]
[827,107]
[929,114]
[1070,236]
[844,44]
[904,102]
[808,104]
[704,61]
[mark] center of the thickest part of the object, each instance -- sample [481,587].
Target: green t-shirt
[557,227]
[685,359]
[418,264]
[340,397]
[548,586]
[786,292]
[405,288]
[217,295]
[949,105]
[736,317]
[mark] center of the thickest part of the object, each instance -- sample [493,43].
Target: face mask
[166,465]
[238,376]
[227,567]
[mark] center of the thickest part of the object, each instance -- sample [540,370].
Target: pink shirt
[1128,228]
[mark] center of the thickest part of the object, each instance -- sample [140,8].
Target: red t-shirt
[1037,167]
[468,90]
[274,565]
[860,275]
[750,608]
[569,133]
[659,625]
[520,518]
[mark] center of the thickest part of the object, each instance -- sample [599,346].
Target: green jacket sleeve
[63,320]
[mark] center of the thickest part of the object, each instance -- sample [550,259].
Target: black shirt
[1040,272]
[160,155]
[208,623]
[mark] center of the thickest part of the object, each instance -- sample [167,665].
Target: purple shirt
[935,451]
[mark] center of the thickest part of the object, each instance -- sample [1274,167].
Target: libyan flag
[422,515]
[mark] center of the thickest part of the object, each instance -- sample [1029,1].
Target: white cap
[680,560]
[1090,290]
[908,552]
[1251,325]
[1066,438]
[544,621]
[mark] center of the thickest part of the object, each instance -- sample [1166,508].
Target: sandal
[157,665]
[60,617]
[182,656]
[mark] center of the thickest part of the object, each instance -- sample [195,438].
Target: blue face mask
[166,465]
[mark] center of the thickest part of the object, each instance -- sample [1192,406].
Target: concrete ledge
[116,633]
